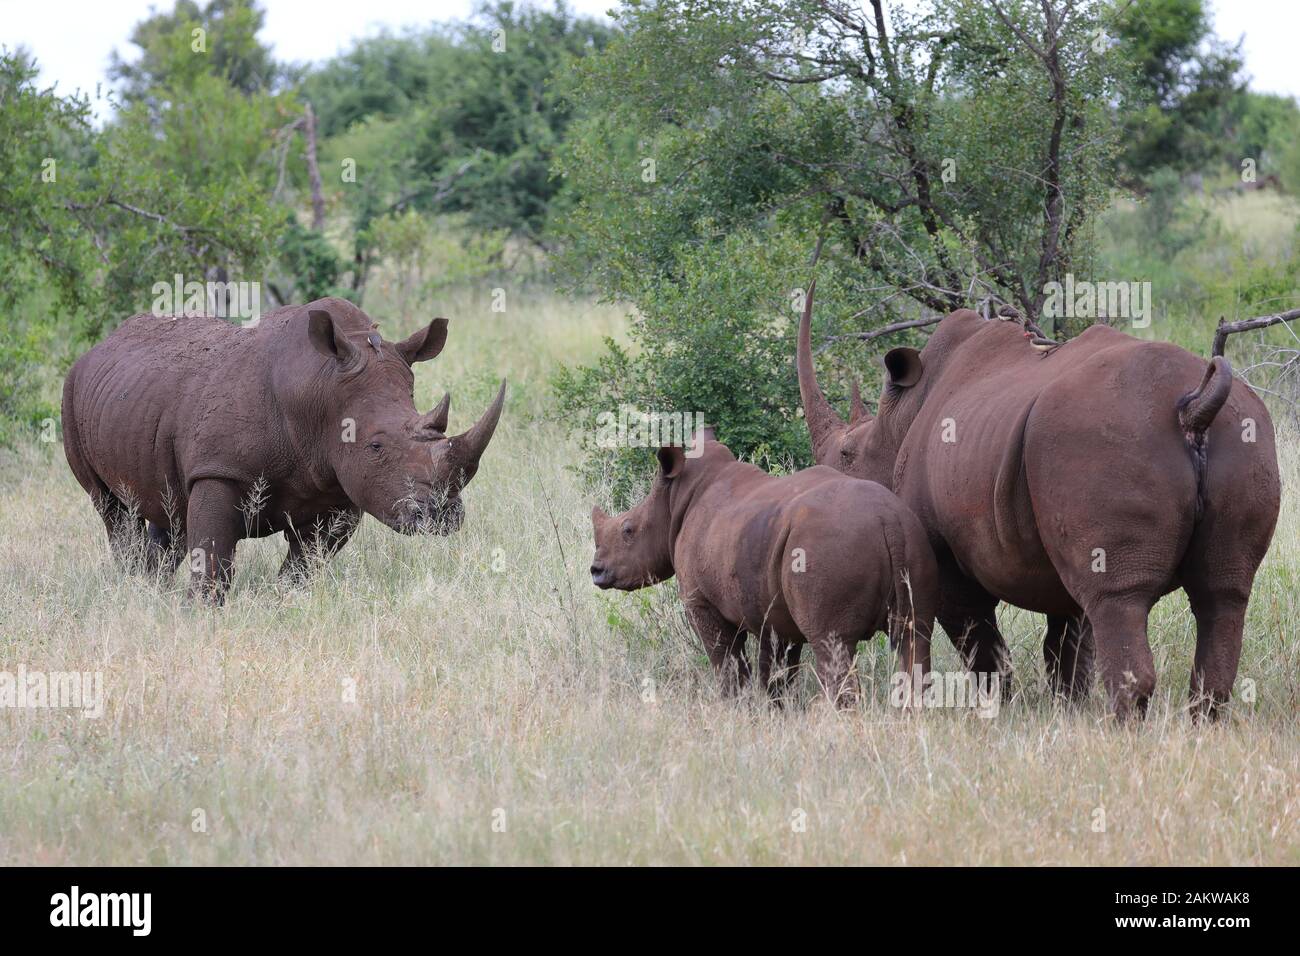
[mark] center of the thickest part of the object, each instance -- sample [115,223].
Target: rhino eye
[376,446]
[627,532]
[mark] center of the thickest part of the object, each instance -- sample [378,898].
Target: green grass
[1233,255]
[494,683]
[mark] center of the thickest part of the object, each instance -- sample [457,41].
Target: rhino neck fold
[684,492]
[304,418]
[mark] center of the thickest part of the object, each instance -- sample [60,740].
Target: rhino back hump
[161,395]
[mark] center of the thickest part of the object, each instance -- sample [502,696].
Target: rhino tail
[1196,410]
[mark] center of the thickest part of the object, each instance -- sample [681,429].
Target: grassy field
[507,712]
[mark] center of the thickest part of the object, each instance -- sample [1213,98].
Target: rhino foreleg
[724,644]
[322,539]
[213,524]
[968,616]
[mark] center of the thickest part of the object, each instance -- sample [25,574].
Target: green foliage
[311,264]
[722,138]
[22,358]
[178,181]
[1166,221]
[185,189]
[44,139]
[460,119]
[1192,111]
[181,186]
[717,340]
[1233,256]
[382,77]
[173,56]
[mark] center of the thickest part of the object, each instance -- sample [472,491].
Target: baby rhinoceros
[814,557]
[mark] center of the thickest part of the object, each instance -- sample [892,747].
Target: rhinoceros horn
[469,446]
[859,411]
[436,420]
[823,422]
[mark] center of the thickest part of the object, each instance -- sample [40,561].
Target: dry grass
[493,683]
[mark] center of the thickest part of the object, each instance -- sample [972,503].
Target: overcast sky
[72,39]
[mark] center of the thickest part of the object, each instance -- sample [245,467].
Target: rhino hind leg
[126,529]
[1218,573]
[778,663]
[1068,652]
[834,657]
[162,556]
[1220,620]
[1128,670]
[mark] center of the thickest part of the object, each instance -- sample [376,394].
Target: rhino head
[634,549]
[866,446]
[396,464]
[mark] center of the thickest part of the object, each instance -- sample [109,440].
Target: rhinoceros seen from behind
[212,433]
[1083,482]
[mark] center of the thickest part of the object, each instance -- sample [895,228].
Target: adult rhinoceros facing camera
[211,433]
[1083,482]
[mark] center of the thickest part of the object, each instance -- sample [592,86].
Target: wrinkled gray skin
[178,421]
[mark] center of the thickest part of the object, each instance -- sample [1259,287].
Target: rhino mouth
[429,516]
[602,576]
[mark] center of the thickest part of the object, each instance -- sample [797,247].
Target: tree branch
[1225,329]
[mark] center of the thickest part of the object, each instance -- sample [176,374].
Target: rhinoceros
[1083,481]
[814,557]
[212,432]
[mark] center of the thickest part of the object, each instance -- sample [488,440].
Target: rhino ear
[671,460]
[424,344]
[326,337]
[903,366]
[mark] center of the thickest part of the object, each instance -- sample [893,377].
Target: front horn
[823,422]
[469,446]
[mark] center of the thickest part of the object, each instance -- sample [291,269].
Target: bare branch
[886,330]
[1225,329]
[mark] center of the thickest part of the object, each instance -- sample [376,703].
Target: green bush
[719,340]
[312,265]
[22,409]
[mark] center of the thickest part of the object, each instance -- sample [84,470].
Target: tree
[217,39]
[459,119]
[1181,113]
[946,159]
[46,146]
[103,216]
[940,149]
